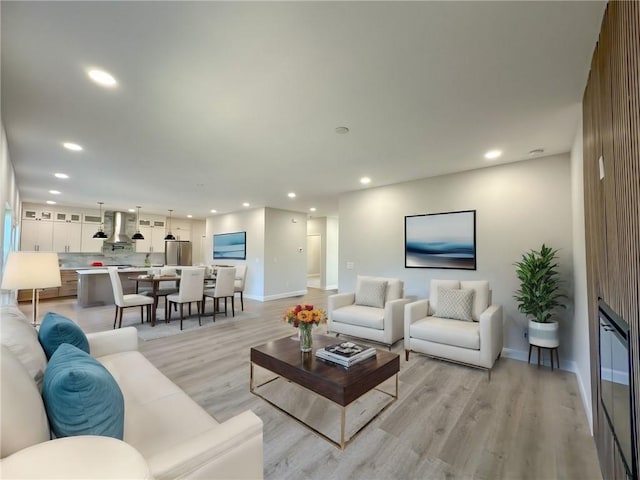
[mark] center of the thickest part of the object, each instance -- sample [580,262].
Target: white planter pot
[544,334]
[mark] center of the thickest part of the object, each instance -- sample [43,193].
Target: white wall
[276,250]
[518,207]
[198,240]
[579,328]
[9,200]
[252,222]
[332,254]
[314,255]
[285,254]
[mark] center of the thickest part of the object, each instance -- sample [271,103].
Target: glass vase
[306,339]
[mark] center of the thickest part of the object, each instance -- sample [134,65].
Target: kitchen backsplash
[78,260]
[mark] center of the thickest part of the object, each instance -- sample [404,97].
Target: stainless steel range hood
[118,225]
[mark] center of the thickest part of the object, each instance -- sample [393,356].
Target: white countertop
[102,270]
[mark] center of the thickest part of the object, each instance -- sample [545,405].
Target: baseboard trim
[277,296]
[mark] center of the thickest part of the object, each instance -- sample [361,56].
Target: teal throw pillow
[81,396]
[56,330]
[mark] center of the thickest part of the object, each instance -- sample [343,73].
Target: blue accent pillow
[56,330]
[81,396]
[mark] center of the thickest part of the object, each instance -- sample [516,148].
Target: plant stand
[551,350]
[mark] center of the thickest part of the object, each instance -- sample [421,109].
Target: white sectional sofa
[166,434]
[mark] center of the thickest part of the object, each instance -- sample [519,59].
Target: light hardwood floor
[449,421]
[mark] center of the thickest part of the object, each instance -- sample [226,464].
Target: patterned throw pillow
[456,304]
[371,292]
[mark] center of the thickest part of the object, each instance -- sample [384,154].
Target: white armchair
[472,337]
[373,312]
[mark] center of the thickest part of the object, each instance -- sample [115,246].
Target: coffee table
[340,385]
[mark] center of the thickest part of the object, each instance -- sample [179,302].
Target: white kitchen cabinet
[89,244]
[181,230]
[37,214]
[182,233]
[153,234]
[36,235]
[67,217]
[67,236]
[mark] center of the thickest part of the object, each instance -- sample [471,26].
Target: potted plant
[539,295]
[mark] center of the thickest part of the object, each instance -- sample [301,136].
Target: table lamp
[31,270]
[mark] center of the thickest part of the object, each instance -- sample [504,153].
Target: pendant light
[100,233]
[138,235]
[169,234]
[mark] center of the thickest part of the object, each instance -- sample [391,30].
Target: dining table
[155,280]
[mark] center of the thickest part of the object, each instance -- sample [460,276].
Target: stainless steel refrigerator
[177,252]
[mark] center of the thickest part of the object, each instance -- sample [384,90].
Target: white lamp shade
[29,270]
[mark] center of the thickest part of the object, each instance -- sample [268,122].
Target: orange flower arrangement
[304,314]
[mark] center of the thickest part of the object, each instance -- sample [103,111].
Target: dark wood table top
[339,384]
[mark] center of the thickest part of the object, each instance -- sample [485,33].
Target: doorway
[314,261]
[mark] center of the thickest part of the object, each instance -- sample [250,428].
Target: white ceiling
[222,103]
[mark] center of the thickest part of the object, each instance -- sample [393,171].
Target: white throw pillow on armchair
[455,303]
[433,292]
[371,292]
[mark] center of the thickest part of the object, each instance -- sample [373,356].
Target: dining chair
[238,284]
[191,290]
[166,288]
[123,301]
[225,279]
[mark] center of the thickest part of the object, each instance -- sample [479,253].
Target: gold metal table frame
[343,409]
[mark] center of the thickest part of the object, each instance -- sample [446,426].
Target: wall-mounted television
[230,246]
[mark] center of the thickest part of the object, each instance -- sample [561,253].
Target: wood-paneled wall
[611,123]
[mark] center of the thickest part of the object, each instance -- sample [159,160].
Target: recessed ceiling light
[365,180]
[102,78]
[342,130]
[536,151]
[72,146]
[189,216]
[291,195]
[50,202]
[61,175]
[246,204]
[131,210]
[312,209]
[214,211]
[54,192]
[491,154]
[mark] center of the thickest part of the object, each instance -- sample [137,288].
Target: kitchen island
[94,285]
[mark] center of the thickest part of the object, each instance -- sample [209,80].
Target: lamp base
[35,297]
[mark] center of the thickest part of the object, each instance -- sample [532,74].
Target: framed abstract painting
[440,240]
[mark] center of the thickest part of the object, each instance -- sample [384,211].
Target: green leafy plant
[539,294]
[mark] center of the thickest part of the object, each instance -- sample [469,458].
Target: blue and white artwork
[441,240]
[230,246]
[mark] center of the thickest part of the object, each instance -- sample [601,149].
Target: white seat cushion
[457,333]
[360,316]
[149,396]
[136,300]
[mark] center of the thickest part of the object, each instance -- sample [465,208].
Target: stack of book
[345,353]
